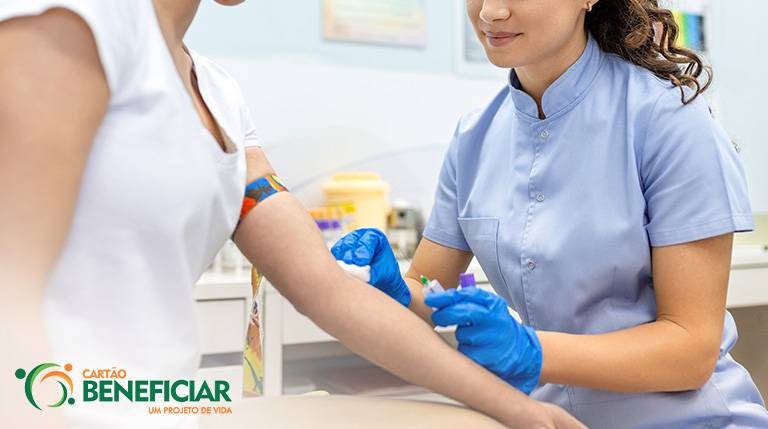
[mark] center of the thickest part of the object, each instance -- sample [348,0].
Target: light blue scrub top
[562,214]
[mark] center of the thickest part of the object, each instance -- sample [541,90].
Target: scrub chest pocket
[481,234]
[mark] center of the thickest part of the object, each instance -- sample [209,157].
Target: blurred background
[356,101]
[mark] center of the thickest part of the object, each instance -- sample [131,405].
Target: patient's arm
[282,241]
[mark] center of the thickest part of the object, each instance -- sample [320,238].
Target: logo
[181,396]
[43,372]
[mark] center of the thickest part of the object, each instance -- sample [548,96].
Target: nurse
[124,159]
[600,198]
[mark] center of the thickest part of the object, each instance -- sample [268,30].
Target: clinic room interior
[586,251]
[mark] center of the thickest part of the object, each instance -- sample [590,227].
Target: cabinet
[222,304]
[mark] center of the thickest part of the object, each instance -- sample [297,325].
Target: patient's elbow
[702,365]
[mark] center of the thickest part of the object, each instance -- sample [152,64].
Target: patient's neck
[175,17]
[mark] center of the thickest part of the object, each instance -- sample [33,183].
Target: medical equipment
[331,231]
[430,287]
[258,191]
[467,280]
[487,332]
[404,232]
[366,193]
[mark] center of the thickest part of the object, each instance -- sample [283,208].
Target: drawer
[222,325]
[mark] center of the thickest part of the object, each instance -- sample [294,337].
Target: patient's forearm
[417,301]
[284,244]
[375,326]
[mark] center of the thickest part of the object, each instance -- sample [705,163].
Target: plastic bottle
[367,195]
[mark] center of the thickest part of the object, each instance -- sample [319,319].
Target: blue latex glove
[371,247]
[489,335]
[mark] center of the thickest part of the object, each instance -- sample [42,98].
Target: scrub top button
[544,134]
[540,197]
[531,265]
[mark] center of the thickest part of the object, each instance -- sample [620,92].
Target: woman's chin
[508,58]
[505,61]
[230,2]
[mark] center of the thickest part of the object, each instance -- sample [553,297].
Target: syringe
[433,286]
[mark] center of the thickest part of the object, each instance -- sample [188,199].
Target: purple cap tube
[467,280]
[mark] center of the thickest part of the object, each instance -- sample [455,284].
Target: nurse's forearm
[656,357]
[678,351]
[417,301]
[437,262]
[284,244]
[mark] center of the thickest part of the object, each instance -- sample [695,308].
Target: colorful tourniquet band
[258,191]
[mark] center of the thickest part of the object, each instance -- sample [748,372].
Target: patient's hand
[556,417]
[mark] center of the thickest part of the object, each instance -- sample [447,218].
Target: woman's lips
[500,39]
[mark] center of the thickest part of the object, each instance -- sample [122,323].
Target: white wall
[740,62]
[261,28]
[327,106]
[316,119]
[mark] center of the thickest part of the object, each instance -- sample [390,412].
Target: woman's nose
[494,10]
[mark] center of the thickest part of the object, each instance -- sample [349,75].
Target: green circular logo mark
[45,371]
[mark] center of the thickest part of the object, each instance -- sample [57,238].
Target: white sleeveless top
[159,197]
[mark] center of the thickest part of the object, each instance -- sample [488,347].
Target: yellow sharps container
[364,195]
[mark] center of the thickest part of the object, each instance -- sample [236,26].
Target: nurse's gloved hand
[489,335]
[371,247]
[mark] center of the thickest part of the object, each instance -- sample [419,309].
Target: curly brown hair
[645,34]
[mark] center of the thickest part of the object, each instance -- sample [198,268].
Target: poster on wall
[691,17]
[388,22]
